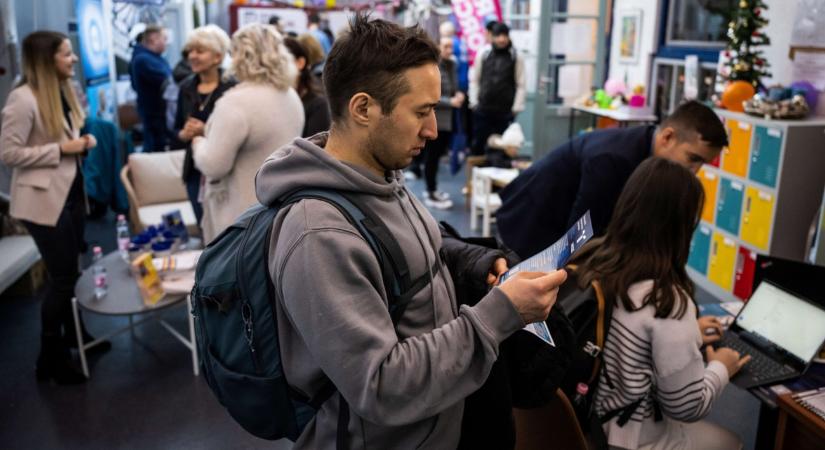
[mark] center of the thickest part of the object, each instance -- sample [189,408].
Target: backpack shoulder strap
[394,269]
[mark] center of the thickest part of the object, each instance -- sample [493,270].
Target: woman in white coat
[249,122]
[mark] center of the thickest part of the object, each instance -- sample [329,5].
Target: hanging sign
[472,16]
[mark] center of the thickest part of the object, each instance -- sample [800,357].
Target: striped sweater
[654,358]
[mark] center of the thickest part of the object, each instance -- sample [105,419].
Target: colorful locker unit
[767,147]
[722,261]
[756,219]
[700,249]
[745,270]
[735,159]
[729,206]
[710,182]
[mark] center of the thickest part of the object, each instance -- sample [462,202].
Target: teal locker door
[699,250]
[729,207]
[767,145]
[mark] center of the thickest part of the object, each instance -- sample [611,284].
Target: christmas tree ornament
[736,93]
[745,36]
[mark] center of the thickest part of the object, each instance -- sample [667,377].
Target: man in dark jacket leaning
[402,386]
[150,73]
[589,172]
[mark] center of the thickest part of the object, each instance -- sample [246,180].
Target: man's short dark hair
[148,32]
[274,20]
[490,25]
[694,116]
[372,57]
[314,18]
[499,29]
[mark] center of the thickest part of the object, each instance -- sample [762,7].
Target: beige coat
[250,121]
[41,176]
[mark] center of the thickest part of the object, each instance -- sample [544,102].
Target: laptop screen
[784,319]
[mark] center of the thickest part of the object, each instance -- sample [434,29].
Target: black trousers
[433,151]
[486,123]
[60,247]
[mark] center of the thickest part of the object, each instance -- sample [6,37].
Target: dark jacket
[316,114]
[189,105]
[149,71]
[527,372]
[449,86]
[498,80]
[586,173]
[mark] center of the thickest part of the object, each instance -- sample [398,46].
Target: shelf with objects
[761,197]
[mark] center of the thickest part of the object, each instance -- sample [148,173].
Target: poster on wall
[93,51]
[291,19]
[94,56]
[630,24]
[472,17]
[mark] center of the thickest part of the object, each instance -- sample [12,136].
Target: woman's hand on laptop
[727,356]
[710,328]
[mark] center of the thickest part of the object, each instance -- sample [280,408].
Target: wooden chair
[154,186]
[552,426]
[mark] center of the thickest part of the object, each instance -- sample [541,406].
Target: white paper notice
[571,81]
[810,66]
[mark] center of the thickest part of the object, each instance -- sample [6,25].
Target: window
[698,23]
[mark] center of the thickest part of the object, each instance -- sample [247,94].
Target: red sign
[472,16]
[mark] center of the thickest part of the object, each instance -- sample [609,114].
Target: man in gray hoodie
[402,386]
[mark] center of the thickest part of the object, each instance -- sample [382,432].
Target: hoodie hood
[304,163]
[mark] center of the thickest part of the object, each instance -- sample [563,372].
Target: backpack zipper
[246,308]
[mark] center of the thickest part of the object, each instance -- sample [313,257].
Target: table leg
[81,348]
[766,428]
[192,338]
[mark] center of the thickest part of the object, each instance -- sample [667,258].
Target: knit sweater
[249,122]
[652,358]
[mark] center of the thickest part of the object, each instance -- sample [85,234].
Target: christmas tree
[746,63]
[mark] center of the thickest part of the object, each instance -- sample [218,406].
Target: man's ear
[359,108]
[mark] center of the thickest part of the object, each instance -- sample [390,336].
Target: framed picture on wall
[630,26]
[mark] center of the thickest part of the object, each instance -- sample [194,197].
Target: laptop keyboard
[761,367]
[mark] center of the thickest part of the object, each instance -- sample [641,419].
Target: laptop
[780,330]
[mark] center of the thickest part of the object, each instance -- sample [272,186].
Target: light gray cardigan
[250,121]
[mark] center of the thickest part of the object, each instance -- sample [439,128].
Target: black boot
[55,362]
[70,338]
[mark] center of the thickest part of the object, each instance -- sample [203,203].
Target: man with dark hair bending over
[589,172]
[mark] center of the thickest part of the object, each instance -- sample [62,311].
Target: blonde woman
[40,141]
[256,117]
[206,48]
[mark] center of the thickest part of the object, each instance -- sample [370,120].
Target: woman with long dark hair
[652,358]
[316,108]
[41,142]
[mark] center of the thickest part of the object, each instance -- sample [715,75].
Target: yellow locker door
[756,221]
[736,156]
[710,182]
[722,261]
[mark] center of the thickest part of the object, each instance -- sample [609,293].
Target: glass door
[571,61]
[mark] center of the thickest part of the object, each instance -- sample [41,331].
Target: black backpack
[233,302]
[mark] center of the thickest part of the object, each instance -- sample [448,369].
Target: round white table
[123,299]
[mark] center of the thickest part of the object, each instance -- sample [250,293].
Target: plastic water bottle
[581,395]
[99,273]
[123,237]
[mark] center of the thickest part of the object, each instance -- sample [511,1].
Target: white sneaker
[434,202]
[438,195]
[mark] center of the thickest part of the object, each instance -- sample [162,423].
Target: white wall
[780,15]
[637,73]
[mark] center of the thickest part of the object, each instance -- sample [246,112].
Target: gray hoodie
[405,390]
